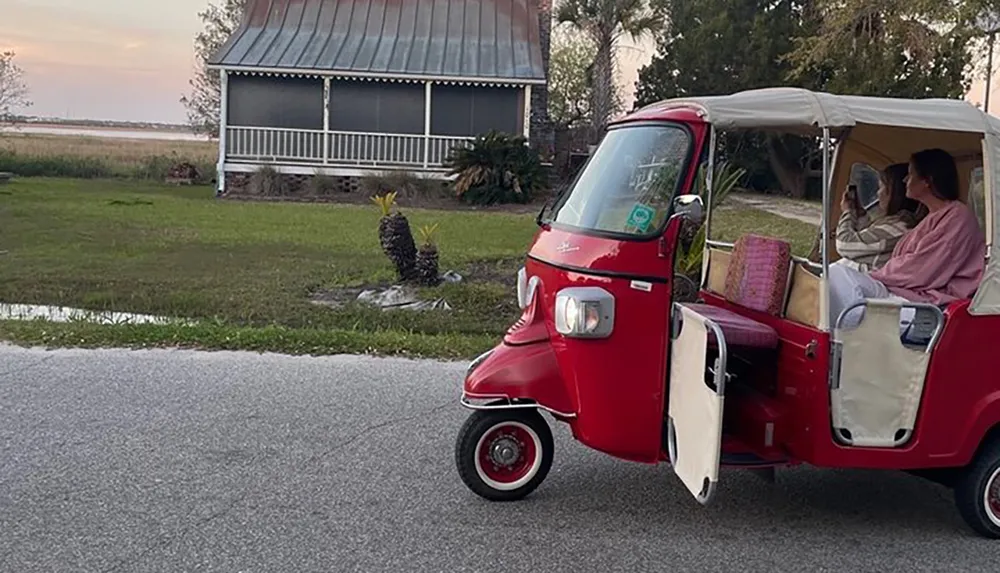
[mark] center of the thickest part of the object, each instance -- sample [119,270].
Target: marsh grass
[90,157]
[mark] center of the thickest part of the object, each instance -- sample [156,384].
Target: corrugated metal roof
[470,39]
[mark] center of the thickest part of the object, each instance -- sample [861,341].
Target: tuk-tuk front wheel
[977,492]
[503,455]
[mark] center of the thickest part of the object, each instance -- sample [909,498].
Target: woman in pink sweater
[941,260]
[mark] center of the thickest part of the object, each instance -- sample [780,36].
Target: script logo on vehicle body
[565,247]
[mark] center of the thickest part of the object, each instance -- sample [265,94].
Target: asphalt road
[184,461]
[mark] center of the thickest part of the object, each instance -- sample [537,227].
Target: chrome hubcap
[505,451]
[508,455]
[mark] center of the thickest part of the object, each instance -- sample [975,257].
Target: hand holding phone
[850,201]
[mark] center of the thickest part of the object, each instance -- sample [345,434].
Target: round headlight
[572,313]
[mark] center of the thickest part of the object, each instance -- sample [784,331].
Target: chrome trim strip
[720,244]
[478,361]
[720,362]
[709,184]
[465,401]
[825,223]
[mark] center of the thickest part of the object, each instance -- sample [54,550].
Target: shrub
[321,184]
[728,177]
[268,182]
[496,168]
[403,183]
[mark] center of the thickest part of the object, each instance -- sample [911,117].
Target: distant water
[110,133]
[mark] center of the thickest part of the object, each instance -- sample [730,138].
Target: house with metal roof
[351,87]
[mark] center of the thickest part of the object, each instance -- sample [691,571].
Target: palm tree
[605,22]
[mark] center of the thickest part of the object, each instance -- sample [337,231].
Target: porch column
[427,124]
[527,111]
[326,120]
[220,169]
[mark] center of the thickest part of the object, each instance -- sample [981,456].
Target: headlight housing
[585,312]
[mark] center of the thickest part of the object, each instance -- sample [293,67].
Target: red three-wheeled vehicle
[730,380]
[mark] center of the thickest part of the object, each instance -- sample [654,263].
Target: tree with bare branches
[203,103]
[13,89]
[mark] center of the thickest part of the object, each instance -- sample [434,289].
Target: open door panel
[696,399]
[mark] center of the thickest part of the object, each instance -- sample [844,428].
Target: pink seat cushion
[738,330]
[758,273]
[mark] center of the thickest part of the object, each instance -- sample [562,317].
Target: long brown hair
[894,179]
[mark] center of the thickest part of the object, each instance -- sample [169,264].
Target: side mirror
[690,207]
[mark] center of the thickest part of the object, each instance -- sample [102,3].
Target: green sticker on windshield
[640,217]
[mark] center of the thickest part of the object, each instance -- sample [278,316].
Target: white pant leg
[847,287]
[845,262]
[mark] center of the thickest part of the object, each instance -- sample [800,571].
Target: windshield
[627,186]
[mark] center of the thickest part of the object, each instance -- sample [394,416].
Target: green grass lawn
[247,270]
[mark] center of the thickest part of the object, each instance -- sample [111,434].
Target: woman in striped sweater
[867,247]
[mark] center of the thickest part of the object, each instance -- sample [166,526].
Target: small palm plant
[687,266]
[395,237]
[496,168]
[427,257]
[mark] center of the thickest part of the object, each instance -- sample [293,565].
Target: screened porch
[358,123]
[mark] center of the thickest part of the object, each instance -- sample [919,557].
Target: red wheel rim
[507,456]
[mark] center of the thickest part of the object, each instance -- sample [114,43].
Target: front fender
[521,373]
[984,418]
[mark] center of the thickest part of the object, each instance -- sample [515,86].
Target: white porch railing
[268,144]
[341,147]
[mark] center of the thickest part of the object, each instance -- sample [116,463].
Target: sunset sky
[104,59]
[132,59]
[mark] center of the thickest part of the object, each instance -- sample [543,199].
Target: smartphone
[852,193]
[855,199]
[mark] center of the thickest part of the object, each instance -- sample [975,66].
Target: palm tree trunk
[603,85]
[790,174]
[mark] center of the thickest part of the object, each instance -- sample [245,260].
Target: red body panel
[615,386]
[960,403]
[525,372]
[613,390]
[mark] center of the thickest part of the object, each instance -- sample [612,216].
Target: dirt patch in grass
[496,272]
[336,297]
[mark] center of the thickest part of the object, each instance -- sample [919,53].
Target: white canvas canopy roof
[796,109]
[892,127]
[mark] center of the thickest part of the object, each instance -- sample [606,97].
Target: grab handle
[938,315]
